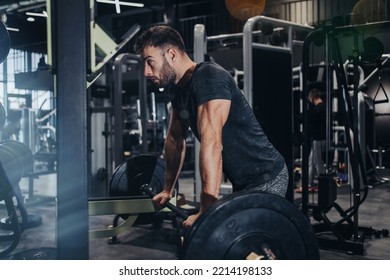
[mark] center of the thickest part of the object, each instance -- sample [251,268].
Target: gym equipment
[5,42]
[378,233]
[11,163]
[17,161]
[2,116]
[248,225]
[126,200]
[373,49]
[225,231]
[10,238]
[129,177]
[344,234]
[146,189]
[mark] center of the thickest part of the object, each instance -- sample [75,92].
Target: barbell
[244,225]
[248,225]
[129,177]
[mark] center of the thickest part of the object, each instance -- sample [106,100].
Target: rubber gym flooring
[160,241]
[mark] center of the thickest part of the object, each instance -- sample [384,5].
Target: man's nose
[147,71]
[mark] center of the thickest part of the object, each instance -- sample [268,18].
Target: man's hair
[315,93]
[159,36]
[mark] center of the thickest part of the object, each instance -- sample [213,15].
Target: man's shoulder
[209,67]
[210,72]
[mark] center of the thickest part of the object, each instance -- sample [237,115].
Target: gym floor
[160,241]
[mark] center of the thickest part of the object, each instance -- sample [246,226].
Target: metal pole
[69,35]
[328,103]
[118,113]
[142,88]
[247,58]
[200,43]
[123,60]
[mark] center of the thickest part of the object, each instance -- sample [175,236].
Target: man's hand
[190,220]
[207,200]
[161,198]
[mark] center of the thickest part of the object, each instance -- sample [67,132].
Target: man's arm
[174,153]
[211,118]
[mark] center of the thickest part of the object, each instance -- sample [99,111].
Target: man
[206,99]
[317,128]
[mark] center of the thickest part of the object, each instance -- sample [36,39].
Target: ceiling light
[118,4]
[30,19]
[43,14]
[31,7]
[12,29]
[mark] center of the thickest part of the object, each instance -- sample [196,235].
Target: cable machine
[349,235]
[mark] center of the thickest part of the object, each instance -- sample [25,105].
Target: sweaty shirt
[248,158]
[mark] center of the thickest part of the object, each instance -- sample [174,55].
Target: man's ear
[172,53]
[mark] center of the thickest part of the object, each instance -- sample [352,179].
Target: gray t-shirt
[249,159]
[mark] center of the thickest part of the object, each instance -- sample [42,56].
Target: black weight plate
[23,154]
[373,49]
[133,173]
[244,222]
[11,164]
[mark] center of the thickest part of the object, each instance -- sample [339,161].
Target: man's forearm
[174,157]
[210,160]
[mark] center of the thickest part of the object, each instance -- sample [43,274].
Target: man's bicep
[212,116]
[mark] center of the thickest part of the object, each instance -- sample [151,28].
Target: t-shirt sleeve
[211,83]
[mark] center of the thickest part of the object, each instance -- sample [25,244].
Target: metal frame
[248,44]
[99,38]
[352,106]
[120,61]
[200,49]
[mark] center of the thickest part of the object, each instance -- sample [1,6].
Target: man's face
[310,99]
[157,67]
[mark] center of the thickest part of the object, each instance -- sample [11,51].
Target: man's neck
[186,77]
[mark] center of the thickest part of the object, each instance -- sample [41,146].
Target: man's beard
[167,75]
